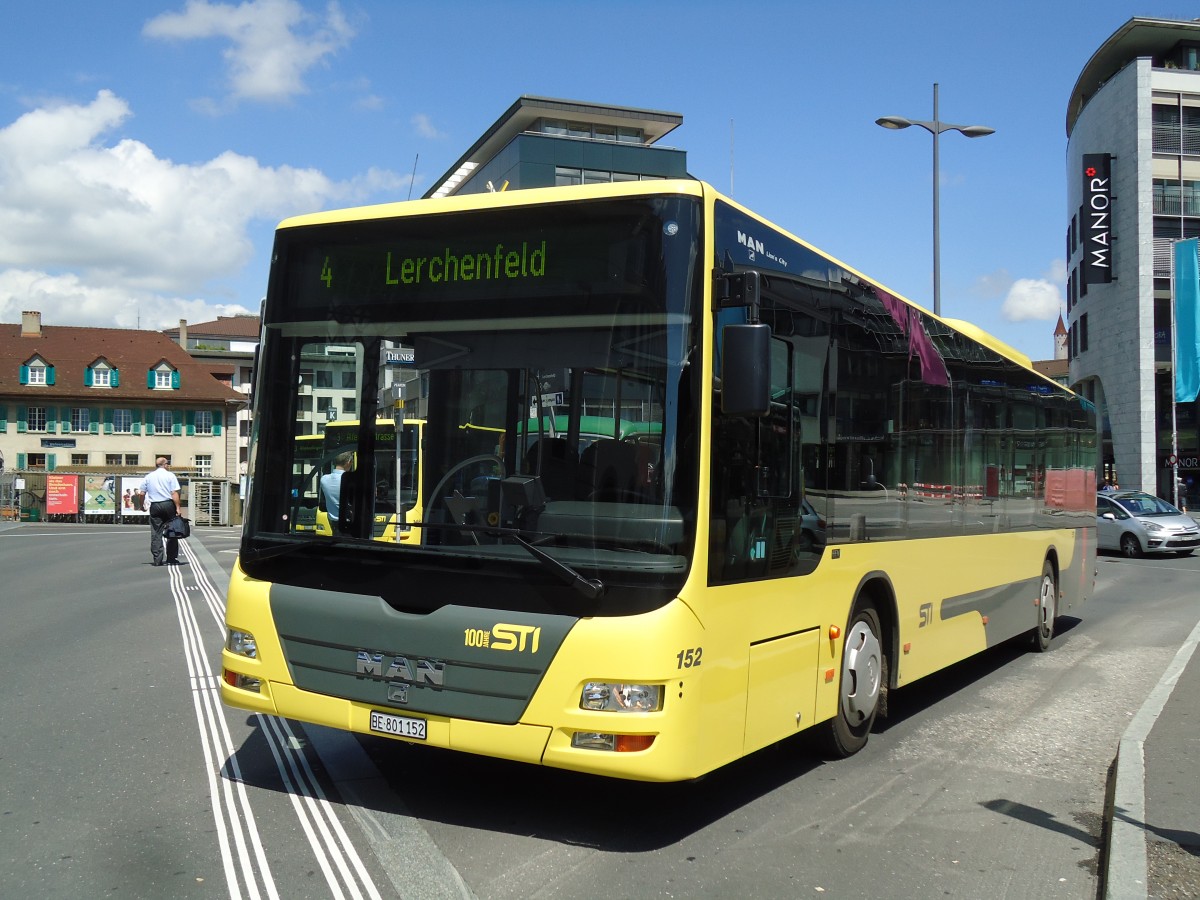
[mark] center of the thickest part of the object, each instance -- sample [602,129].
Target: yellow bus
[821,492]
[306,470]
[395,477]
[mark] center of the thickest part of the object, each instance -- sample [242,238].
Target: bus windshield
[549,372]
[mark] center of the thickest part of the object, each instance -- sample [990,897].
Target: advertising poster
[98,495]
[132,497]
[62,495]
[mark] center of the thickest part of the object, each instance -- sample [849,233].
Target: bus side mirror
[746,370]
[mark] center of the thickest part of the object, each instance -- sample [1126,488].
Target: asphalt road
[124,776]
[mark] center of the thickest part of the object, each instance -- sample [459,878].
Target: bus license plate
[399,726]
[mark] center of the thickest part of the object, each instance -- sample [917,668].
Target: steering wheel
[457,467]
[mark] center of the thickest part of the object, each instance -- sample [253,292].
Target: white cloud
[273,42]
[89,227]
[425,127]
[1035,299]
[68,299]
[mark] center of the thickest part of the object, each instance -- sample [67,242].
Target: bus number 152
[687,659]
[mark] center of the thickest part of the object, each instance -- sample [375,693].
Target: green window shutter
[150,379]
[20,460]
[49,374]
[22,423]
[108,421]
[51,419]
[24,374]
[51,461]
[176,422]
[3,419]
[218,418]
[175,380]
[87,377]
[114,379]
[149,428]
[94,421]
[191,423]
[136,424]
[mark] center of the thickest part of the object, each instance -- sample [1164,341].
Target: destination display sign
[414,265]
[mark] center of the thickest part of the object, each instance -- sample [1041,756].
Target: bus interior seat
[608,472]
[557,466]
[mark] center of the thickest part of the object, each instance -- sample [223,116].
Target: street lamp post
[936,127]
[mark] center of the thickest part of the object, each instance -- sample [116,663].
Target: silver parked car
[1136,523]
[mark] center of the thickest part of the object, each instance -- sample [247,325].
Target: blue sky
[147,150]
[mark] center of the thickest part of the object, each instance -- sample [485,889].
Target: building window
[36,461]
[163,421]
[35,418]
[1083,337]
[131,459]
[349,405]
[101,377]
[565,177]
[1165,128]
[81,418]
[162,379]
[79,459]
[349,380]
[112,459]
[37,375]
[122,421]
[204,465]
[323,378]
[204,422]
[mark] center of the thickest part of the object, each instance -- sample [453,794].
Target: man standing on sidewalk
[162,493]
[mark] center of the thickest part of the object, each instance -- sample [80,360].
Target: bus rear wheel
[1047,606]
[864,670]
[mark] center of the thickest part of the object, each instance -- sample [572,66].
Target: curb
[1125,869]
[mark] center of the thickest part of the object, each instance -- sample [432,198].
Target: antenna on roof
[414,175]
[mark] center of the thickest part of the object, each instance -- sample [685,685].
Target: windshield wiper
[589,587]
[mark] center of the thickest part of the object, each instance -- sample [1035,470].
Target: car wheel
[1047,607]
[1130,548]
[864,676]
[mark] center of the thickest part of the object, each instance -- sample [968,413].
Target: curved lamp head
[977,131]
[894,122]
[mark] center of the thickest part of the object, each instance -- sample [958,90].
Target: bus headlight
[603,696]
[242,643]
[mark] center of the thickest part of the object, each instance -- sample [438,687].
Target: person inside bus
[331,484]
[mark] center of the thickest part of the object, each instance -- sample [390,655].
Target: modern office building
[1133,188]
[541,142]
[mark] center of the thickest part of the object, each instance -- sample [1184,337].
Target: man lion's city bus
[809,492]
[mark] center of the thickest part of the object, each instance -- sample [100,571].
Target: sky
[149,149]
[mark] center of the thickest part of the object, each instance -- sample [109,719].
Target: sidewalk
[1154,831]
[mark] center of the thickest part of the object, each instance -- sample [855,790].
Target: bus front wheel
[864,670]
[1047,607]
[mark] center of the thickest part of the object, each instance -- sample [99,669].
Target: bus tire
[864,670]
[1047,608]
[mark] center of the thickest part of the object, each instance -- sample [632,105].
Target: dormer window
[37,371]
[101,374]
[163,377]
